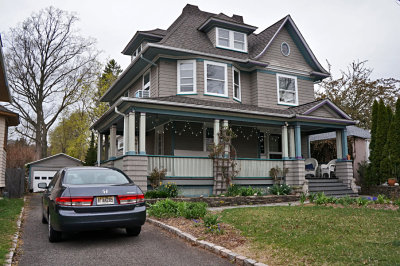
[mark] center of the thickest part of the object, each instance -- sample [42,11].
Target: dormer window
[137,52]
[232,40]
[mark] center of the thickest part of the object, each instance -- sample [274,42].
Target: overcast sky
[338,31]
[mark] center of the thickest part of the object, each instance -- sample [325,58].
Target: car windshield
[94,176]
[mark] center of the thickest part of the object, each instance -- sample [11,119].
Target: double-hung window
[186,76]
[287,89]
[146,85]
[236,84]
[215,79]
[231,39]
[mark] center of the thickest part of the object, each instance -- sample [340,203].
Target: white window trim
[233,85]
[120,143]
[226,79]
[231,40]
[296,89]
[194,77]
[143,85]
[136,53]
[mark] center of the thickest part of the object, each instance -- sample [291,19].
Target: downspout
[118,112]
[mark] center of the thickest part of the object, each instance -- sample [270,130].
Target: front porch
[140,138]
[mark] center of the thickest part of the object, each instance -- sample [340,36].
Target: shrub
[346,200]
[312,197]
[169,190]
[164,209]
[303,198]
[362,201]
[280,189]
[321,199]
[192,210]
[154,194]
[156,177]
[380,199]
[235,190]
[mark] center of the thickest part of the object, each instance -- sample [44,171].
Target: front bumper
[67,219]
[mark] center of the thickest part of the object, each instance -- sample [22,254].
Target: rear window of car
[94,177]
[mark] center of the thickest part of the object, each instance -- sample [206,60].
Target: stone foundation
[390,192]
[135,166]
[344,172]
[295,176]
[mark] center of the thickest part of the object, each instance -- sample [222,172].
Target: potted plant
[392,181]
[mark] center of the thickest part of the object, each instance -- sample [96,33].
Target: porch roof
[173,105]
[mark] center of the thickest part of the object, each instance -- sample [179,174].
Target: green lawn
[9,213]
[320,235]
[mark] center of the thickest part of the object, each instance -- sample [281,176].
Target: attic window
[231,39]
[285,49]
[137,52]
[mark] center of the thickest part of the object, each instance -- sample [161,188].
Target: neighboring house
[208,71]
[44,169]
[7,119]
[360,140]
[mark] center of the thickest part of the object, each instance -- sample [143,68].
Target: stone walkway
[293,203]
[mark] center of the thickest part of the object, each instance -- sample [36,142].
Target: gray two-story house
[208,71]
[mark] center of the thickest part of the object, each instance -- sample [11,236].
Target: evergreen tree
[393,143]
[374,122]
[91,155]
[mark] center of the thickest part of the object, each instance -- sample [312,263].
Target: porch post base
[295,176]
[136,168]
[344,172]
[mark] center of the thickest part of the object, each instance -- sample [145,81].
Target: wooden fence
[15,182]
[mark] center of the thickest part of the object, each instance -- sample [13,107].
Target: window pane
[237,36]
[239,45]
[146,78]
[186,81]
[186,88]
[275,144]
[236,77]
[287,84]
[236,91]
[287,97]
[223,33]
[187,73]
[186,66]
[223,42]
[215,72]
[214,86]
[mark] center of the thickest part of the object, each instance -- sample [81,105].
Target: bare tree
[49,66]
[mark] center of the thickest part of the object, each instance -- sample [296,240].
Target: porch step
[330,187]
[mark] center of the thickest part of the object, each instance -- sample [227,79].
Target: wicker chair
[311,166]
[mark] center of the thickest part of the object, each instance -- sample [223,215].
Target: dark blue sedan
[87,198]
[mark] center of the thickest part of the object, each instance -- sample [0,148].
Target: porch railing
[256,168]
[182,166]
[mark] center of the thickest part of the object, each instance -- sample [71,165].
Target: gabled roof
[352,131]
[140,36]
[309,108]
[224,21]
[266,37]
[53,156]
[11,117]
[5,95]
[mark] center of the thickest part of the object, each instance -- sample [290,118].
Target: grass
[319,235]
[9,213]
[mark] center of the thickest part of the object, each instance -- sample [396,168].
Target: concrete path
[107,247]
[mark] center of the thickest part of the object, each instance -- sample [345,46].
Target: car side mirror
[42,185]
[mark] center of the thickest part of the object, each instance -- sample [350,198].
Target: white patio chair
[311,166]
[327,170]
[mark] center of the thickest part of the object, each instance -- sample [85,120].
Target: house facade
[7,119]
[210,71]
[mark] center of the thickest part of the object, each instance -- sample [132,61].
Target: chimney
[190,9]
[237,18]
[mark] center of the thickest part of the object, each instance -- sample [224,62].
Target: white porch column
[292,149]
[339,144]
[142,134]
[285,152]
[216,131]
[132,133]
[113,141]
[99,147]
[225,125]
[126,134]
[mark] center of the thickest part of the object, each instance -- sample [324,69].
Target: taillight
[74,201]
[130,199]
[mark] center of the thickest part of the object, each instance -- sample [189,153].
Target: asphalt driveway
[107,247]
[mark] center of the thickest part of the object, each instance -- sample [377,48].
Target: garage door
[42,177]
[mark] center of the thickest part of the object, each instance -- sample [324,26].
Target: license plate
[105,200]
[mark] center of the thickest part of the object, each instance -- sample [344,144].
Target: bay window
[215,79]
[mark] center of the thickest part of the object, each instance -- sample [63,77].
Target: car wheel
[44,221]
[54,236]
[133,231]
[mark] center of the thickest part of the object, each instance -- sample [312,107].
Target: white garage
[42,171]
